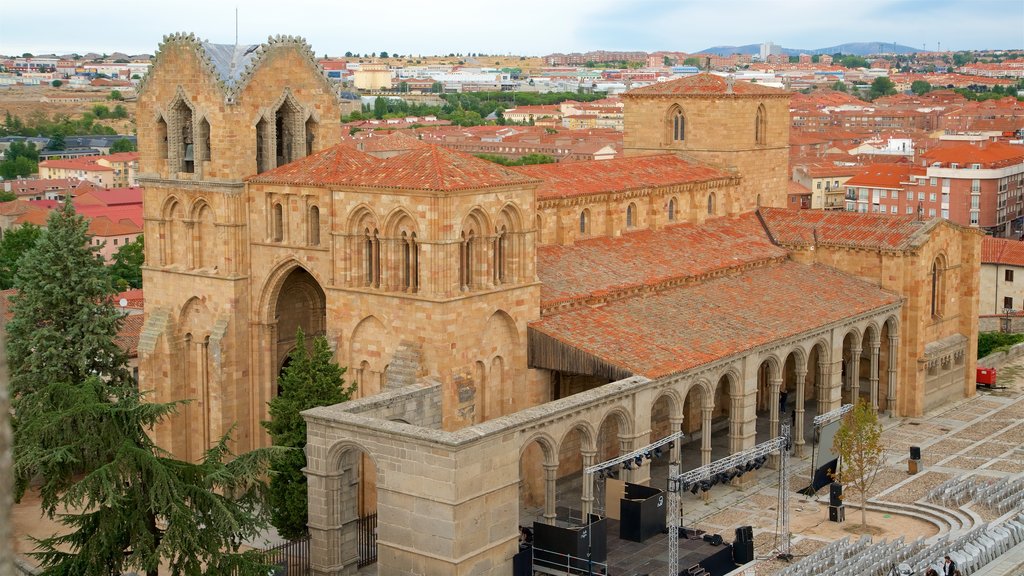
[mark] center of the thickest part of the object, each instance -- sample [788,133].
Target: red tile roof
[886,175]
[990,155]
[852,229]
[393,142]
[603,266]
[433,167]
[324,167]
[705,84]
[1002,251]
[617,175]
[657,334]
[87,163]
[105,227]
[128,336]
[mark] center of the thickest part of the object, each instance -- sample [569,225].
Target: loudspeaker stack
[836,509]
[914,463]
[743,547]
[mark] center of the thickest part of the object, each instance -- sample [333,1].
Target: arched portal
[727,392]
[353,480]
[301,303]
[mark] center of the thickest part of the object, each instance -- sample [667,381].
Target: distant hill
[854,48]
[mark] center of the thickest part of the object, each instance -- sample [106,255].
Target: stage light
[658,453]
[648,455]
[695,488]
[627,465]
[639,460]
[705,486]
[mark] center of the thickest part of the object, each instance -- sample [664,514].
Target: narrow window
[314,226]
[630,215]
[161,138]
[204,141]
[672,210]
[711,203]
[761,126]
[406,263]
[1008,275]
[278,222]
[368,257]
[678,125]
[310,136]
[261,129]
[1008,302]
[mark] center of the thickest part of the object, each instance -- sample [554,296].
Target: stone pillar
[890,398]
[550,479]
[588,483]
[832,385]
[705,435]
[854,374]
[190,248]
[774,385]
[801,390]
[873,377]
[326,526]
[675,425]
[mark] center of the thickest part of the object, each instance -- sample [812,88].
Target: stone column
[705,435]
[736,422]
[854,374]
[190,248]
[326,526]
[873,378]
[801,390]
[550,495]
[774,385]
[588,483]
[675,425]
[890,399]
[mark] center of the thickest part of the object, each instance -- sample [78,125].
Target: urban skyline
[529,27]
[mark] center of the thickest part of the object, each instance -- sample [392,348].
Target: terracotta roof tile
[664,333]
[433,167]
[991,155]
[886,175]
[128,336]
[324,167]
[602,266]
[862,230]
[616,175]
[1002,251]
[705,84]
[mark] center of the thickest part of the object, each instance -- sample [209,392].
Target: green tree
[881,86]
[56,142]
[311,379]
[816,58]
[122,145]
[920,87]
[19,167]
[56,83]
[116,95]
[380,107]
[6,196]
[80,426]
[15,243]
[383,54]
[119,112]
[692,61]
[859,445]
[101,111]
[126,270]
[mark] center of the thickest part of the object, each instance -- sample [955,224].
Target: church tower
[732,125]
[209,115]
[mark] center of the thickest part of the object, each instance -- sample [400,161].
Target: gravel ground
[1014,435]
[965,462]
[981,430]
[917,488]
[887,478]
[992,449]
[1015,466]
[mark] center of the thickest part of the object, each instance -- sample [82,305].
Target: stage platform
[626,558]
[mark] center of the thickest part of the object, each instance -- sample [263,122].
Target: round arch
[547,445]
[271,290]
[399,220]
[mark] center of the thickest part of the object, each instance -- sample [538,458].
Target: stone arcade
[508,327]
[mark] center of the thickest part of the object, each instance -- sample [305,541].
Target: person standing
[949,568]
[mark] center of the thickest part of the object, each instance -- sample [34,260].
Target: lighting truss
[738,460]
[829,417]
[633,455]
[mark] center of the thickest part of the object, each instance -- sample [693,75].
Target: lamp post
[1007,320]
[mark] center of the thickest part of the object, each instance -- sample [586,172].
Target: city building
[1002,279]
[506,327]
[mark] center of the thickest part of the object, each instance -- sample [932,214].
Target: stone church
[507,327]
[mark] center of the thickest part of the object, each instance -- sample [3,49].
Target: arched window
[938,286]
[203,151]
[466,261]
[761,126]
[371,258]
[540,230]
[585,222]
[711,204]
[278,224]
[678,124]
[671,209]
[181,134]
[500,255]
[261,139]
[631,215]
[314,226]
[310,136]
[161,138]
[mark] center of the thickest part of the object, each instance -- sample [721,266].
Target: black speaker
[743,552]
[745,534]
[837,513]
[915,452]
[835,494]
[713,539]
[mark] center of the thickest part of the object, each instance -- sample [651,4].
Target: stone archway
[301,303]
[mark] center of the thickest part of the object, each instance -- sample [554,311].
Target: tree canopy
[881,86]
[126,270]
[15,243]
[81,428]
[920,87]
[122,145]
[859,445]
[310,379]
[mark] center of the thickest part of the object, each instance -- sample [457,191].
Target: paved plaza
[981,436]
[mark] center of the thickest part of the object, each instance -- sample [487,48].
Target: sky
[522,27]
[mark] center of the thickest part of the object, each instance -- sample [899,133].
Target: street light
[1007,320]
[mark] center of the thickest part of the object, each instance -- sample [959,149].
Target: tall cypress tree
[311,379]
[81,426]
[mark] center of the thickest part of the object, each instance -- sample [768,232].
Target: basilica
[507,327]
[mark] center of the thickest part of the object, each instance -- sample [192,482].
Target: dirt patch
[798,549]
